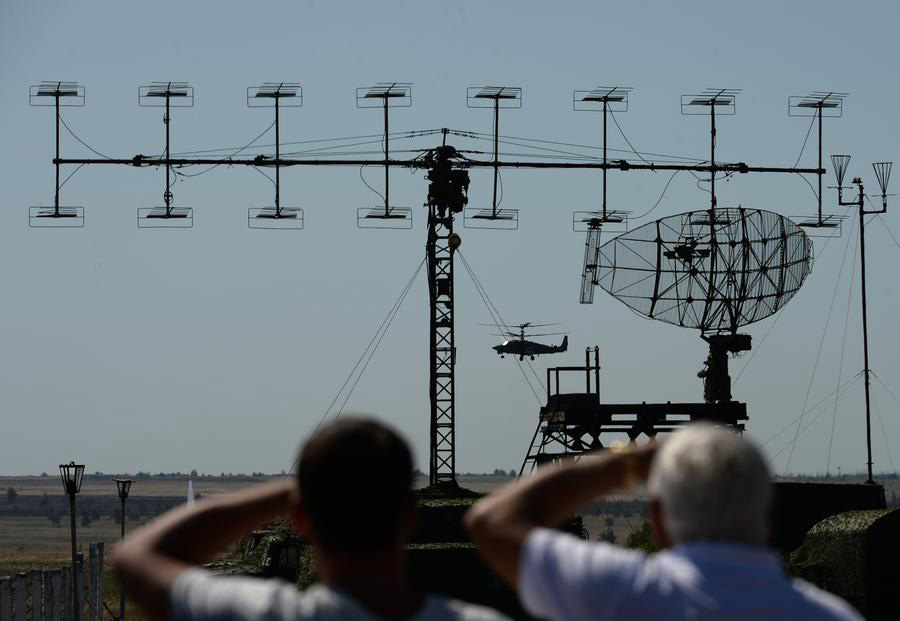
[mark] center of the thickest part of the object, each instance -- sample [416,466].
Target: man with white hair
[710,499]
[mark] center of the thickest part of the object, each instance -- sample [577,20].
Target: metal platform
[571,424]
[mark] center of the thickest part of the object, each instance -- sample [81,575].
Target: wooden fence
[46,594]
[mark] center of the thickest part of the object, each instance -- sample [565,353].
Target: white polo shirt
[562,578]
[198,595]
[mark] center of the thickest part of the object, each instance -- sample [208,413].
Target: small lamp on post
[71,475]
[124,486]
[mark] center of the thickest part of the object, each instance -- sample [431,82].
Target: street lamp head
[840,163]
[71,475]
[124,486]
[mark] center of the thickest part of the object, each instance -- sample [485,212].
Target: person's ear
[657,525]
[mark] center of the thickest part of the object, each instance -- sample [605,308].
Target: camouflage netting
[854,555]
[441,558]
[800,506]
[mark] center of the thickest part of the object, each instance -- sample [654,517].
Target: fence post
[37,594]
[51,586]
[92,581]
[67,593]
[101,585]
[6,598]
[21,598]
[79,587]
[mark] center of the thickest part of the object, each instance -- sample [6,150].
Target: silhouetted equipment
[448,176]
[518,345]
[447,196]
[605,99]
[167,95]
[819,104]
[385,95]
[571,424]
[711,271]
[494,97]
[883,176]
[58,95]
[275,95]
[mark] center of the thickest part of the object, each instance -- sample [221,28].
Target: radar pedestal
[716,380]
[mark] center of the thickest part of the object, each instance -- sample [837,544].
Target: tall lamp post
[882,174]
[71,475]
[124,486]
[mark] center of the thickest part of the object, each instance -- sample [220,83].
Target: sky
[220,348]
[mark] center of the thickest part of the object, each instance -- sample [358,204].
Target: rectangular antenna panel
[154,95]
[829,226]
[49,217]
[491,96]
[613,222]
[45,94]
[288,218]
[159,218]
[722,99]
[378,218]
[502,219]
[288,95]
[616,98]
[396,94]
[831,104]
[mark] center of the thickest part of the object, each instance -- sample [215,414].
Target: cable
[633,150]
[473,134]
[89,147]
[72,174]
[818,353]
[380,195]
[884,224]
[799,155]
[272,181]
[658,200]
[819,415]
[496,318]
[845,386]
[884,434]
[381,337]
[382,328]
[264,132]
[843,349]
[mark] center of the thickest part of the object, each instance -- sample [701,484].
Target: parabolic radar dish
[711,273]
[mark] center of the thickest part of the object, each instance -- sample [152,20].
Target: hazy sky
[219,348]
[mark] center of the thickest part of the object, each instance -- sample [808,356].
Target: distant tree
[193,474]
[11,495]
[641,539]
[513,474]
[45,501]
[283,473]
[44,474]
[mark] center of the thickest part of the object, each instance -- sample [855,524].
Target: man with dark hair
[353,504]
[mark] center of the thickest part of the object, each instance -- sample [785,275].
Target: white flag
[190,497]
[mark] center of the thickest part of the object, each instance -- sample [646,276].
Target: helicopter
[519,346]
